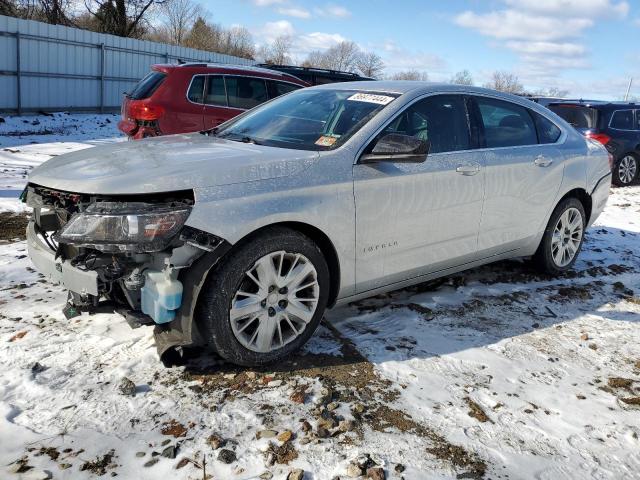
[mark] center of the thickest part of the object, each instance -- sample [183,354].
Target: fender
[183,330]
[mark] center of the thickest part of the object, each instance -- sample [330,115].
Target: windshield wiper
[210,132]
[240,138]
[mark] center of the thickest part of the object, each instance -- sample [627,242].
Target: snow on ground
[27,141]
[495,373]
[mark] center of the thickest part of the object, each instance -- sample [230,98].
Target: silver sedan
[240,237]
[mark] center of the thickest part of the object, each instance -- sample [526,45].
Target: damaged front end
[132,252]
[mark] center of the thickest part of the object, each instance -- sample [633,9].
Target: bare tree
[179,16]
[9,8]
[125,18]
[237,41]
[370,64]
[314,59]
[202,36]
[277,52]
[410,75]
[505,82]
[462,77]
[342,56]
[551,92]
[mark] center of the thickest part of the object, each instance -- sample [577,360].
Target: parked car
[317,76]
[321,197]
[614,124]
[196,96]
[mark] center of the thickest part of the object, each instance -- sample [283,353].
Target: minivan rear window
[145,87]
[579,116]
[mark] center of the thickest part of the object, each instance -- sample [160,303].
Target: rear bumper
[599,197]
[59,271]
[136,132]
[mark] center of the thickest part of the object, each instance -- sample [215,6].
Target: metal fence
[49,67]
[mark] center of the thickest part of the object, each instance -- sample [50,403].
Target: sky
[589,47]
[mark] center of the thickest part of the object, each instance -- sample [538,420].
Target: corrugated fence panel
[50,67]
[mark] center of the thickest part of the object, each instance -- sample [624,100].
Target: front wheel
[266,298]
[562,238]
[626,171]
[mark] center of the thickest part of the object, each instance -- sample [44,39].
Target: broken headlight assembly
[125,226]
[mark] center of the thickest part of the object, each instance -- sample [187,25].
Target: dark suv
[614,124]
[198,96]
[316,76]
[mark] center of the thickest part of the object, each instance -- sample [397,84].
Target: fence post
[166,56]
[102,68]
[18,74]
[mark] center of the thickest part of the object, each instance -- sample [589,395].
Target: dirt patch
[617,382]
[384,417]
[51,452]
[174,429]
[101,464]
[572,293]
[348,379]
[12,226]
[476,411]
[631,401]
[282,454]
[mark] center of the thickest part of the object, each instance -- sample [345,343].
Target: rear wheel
[562,238]
[626,170]
[266,298]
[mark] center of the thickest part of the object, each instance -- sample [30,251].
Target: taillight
[599,137]
[145,111]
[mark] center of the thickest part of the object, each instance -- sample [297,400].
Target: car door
[185,115]
[416,218]
[524,170]
[216,110]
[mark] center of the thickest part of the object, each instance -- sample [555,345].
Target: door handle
[542,161]
[468,170]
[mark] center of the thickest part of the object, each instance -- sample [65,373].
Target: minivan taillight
[599,137]
[145,111]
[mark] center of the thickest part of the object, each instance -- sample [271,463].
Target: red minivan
[196,96]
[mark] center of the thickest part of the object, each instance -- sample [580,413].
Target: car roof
[418,87]
[594,103]
[221,67]
[316,70]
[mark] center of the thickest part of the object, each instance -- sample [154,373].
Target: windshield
[307,119]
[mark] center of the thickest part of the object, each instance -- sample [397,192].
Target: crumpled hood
[163,164]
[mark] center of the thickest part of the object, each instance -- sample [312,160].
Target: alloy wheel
[276,300]
[567,236]
[627,169]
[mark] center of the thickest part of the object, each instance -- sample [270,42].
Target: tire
[547,256]
[625,171]
[232,285]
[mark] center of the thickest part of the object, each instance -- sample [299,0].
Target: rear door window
[622,120]
[246,92]
[149,84]
[637,119]
[280,88]
[506,124]
[548,132]
[581,117]
[216,93]
[196,89]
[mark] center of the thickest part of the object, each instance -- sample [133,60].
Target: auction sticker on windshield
[326,141]
[371,98]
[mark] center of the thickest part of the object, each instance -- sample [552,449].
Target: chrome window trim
[227,93]
[561,139]
[635,113]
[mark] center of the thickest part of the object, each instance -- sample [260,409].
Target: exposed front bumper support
[59,271]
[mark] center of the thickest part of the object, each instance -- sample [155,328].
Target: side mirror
[395,147]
